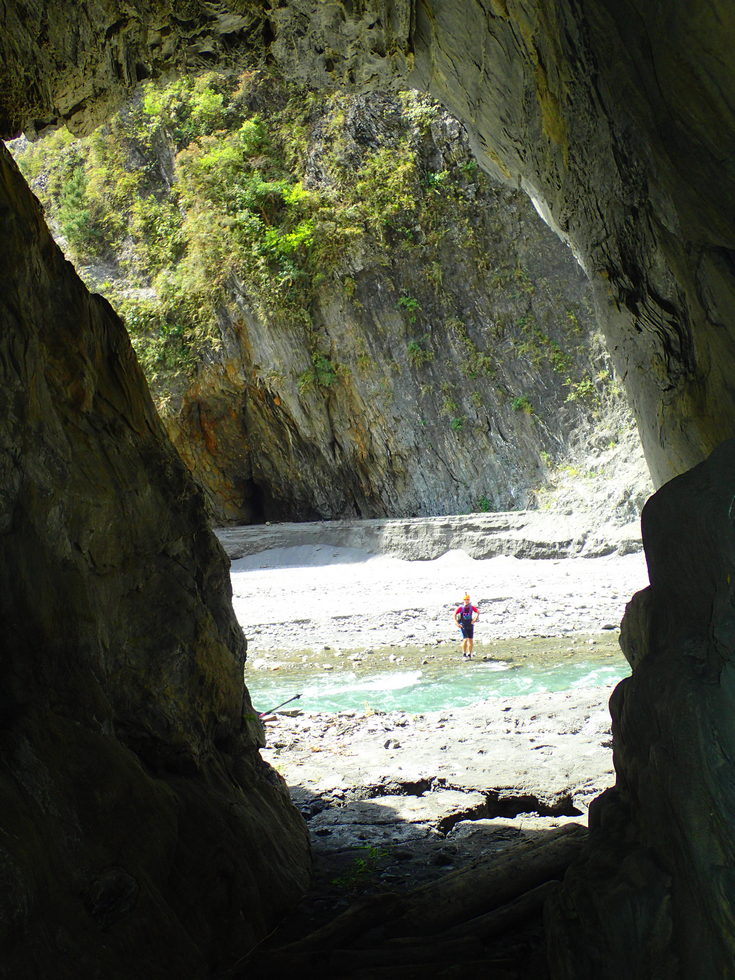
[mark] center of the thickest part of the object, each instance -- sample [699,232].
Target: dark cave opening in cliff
[256,502]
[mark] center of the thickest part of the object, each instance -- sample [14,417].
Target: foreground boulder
[138,822]
[656,889]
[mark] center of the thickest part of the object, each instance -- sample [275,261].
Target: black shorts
[468,630]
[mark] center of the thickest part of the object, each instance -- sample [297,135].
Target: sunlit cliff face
[619,118]
[613,116]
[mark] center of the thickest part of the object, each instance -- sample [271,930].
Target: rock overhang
[616,120]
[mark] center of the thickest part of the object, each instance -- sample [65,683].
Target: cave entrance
[406,761]
[576,98]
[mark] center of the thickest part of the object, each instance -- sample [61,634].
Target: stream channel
[433,679]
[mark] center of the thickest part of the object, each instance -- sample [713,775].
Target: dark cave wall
[615,116]
[655,893]
[131,783]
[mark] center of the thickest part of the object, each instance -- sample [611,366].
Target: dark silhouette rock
[655,884]
[139,822]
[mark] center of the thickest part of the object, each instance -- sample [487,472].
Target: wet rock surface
[394,799]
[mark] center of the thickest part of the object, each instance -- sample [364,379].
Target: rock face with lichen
[389,332]
[132,783]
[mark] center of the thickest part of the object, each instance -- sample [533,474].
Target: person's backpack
[465,615]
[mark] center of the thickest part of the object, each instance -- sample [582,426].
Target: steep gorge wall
[618,118]
[445,348]
[419,341]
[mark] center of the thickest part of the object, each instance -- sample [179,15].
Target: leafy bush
[418,354]
[522,404]
[411,306]
[202,202]
[321,374]
[364,867]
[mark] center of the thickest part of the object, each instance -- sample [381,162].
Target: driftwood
[489,882]
[447,922]
[506,918]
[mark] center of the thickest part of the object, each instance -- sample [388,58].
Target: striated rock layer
[139,824]
[443,408]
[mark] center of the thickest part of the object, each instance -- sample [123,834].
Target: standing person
[465,616]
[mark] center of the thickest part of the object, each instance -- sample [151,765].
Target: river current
[452,683]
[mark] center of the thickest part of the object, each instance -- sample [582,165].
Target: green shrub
[437,180]
[363,869]
[321,374]
[418,354]
[582,390]
[202,202]
[522,404]
[411,306]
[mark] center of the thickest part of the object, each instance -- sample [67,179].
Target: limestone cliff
[131,784]
[398,335]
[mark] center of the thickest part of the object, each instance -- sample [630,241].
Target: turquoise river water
[427,688]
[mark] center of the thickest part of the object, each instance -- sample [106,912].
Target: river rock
[458,785]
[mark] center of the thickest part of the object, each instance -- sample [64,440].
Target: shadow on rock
[421,881]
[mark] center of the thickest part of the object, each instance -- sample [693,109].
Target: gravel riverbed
[394,797]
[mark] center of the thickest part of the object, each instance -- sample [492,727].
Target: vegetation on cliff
[207,179]
[338,257]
